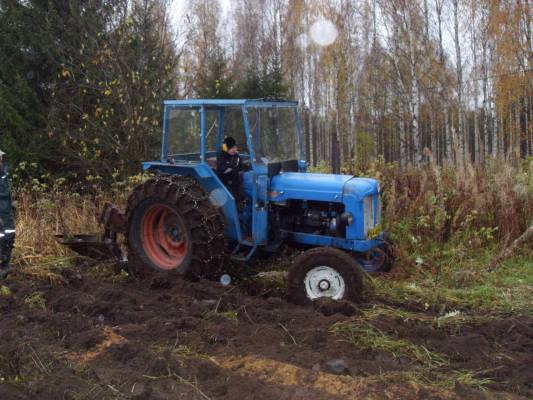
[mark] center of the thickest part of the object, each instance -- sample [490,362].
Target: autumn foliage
[412,82]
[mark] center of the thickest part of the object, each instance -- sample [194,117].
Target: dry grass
[42,214]
[475,204]
[436,217]
[40,218]
[364,335]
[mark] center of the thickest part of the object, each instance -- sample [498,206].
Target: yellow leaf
[65,73]
[108,92]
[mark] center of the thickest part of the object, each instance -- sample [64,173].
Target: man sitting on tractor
[7,220]
[229,164]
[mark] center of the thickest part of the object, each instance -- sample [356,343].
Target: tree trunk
[486,111]
[448,138]
[500,130]
[529,130]
[414,101]
[518,133]
[433,135]
[403,145]
[495,130]
[307,136]
[459,69]
[335,153]
[477,142]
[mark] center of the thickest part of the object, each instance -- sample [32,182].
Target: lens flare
[218,198]
[323,32]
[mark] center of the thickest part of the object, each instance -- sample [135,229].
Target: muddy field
[82,337]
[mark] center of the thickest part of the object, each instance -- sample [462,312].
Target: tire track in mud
[176,339]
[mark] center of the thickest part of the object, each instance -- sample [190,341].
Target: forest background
[448,82]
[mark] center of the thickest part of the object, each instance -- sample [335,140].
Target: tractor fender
[209,181]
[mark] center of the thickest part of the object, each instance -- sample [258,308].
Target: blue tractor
[184,219]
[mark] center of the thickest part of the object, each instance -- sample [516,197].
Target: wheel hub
[323,285]
[324,281]
[175,233]
[164,237]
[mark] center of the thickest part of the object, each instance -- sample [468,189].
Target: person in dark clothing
[229,164]
[7,219]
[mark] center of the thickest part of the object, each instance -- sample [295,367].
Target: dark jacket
[7,218]
[6,206]
[228,168]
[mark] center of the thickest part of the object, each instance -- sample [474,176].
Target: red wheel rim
[164,237]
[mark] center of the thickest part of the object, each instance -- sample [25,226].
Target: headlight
[368,206]
[378,211]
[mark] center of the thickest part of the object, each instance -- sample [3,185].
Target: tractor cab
[267,131]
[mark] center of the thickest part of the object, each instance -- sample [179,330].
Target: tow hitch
[100,247]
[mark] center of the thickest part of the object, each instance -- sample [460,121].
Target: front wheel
[325,272]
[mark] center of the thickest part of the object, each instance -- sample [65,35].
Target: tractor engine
[315,217]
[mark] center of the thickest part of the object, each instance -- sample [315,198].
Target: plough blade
[92,246]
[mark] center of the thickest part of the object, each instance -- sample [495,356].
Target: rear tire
[325,272]
[172,227]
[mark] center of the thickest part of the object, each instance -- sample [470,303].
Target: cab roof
[267,103]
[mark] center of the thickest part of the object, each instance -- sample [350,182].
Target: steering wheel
[247,164]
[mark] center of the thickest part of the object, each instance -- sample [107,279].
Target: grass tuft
[229,315]
[365,335]
[5,291]
[36,300]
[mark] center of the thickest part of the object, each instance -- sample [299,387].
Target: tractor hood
[320,187]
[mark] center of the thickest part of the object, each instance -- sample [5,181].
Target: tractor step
[91,246]
[243,255]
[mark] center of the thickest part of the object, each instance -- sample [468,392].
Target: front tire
[172,227]
[325,272]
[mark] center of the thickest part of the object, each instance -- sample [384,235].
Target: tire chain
[210,264]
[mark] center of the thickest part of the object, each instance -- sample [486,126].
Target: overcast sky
[177,7]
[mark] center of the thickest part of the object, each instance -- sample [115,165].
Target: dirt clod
[337,366]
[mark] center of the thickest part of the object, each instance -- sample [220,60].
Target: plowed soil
[88,338]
